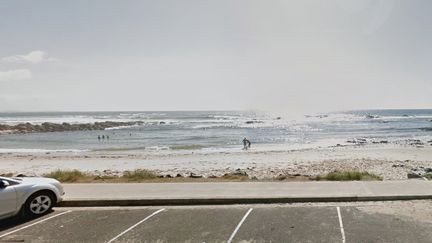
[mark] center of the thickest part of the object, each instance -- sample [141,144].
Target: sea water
[206,131]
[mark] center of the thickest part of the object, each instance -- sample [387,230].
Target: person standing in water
[246,144]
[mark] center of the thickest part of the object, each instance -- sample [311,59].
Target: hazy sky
[285,56]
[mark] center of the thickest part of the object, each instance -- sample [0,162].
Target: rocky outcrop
[419,172]
[62,127]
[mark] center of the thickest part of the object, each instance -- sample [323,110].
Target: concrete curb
[228,201]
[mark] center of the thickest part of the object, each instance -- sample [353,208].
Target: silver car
[32,196]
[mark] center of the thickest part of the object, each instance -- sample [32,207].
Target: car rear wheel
[39,204]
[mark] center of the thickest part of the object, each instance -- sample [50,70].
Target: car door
[8,199]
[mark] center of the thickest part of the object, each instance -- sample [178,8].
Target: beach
[387,143]
[392,162]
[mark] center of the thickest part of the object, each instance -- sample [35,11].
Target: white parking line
[341,224]
[135,225]
[239,225]
[35,223]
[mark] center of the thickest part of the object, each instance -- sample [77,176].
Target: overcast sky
[287,56]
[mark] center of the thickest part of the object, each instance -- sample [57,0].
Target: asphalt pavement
[235,223]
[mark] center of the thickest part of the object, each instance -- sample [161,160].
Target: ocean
[207,131]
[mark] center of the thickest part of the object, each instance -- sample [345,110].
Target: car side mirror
[3,184]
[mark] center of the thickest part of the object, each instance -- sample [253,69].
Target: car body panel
[23,188]
[8,201]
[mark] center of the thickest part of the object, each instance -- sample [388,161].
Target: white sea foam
[24,150]
[122,127]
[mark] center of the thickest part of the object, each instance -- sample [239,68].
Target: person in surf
[246,144]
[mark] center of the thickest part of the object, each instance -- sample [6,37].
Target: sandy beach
[392,162]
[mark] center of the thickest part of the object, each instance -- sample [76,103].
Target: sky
[283,56]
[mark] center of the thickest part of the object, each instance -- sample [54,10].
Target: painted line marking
[135,225]
[424,178]
[35,223]
[341,224]
[239,225]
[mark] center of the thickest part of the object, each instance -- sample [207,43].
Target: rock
[162,123]
[192,175]
[168,176]
[369,116]
[415,142]
[240,173]
[358,141]
[212,176]
[252,122]
[412,175]
[428,170]
[178,176]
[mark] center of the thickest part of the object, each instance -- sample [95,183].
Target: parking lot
[243,223]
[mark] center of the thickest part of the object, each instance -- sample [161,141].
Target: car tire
[39,203]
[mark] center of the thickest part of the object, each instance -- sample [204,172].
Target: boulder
[192,175]
[239,173]
[413,175]
[252,122]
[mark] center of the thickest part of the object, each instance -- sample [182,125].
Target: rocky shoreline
[61,127]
